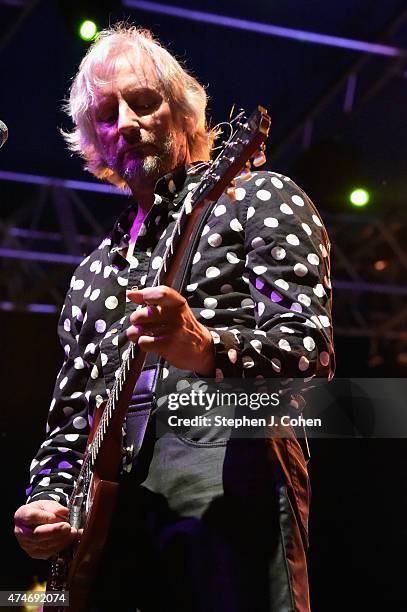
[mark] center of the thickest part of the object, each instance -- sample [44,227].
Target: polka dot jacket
[259,281]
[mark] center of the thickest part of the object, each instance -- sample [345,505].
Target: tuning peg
[259,159]
[231,191]
[246,173]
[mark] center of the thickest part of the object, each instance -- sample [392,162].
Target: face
[135,128]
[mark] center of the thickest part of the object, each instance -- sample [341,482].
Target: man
[203,523]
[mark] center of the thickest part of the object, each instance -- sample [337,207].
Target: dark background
[358,527]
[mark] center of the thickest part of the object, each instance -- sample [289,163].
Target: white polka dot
[303,364]
[276,182]
[94,295]
[115,341]
[90,348]
[100,326]
[87,292]
[313,259]
[78,363]
[310,323]
[78,284]
[122,281]
[232,258]
[270,222]
[257,345]
[292,239]
[67,325]
[286,210]
[325,322]
[192,287]
[300,269]
[263,194]
[260,308]
[247,303]
[207,313]
[111,302]
[276,364]
[84,261]
[67,349]
[324,358]
[215,240]
[212,272]
[235,225]
[309,343]
[219,210]
[226,288]
[196,258]
[96,266]
[103,358]
[306,228]
[259,269]
[278,253]
[210,302]
[71,437]
[240,193]
[316,220]
[63,382]
[107,271]
[65,475]
[44,482]
[156,263]
[165,372]
[304,299]
[284,345]
[257,242]
[259,182]
[94,373]
[287,330]
[280,282]
[298,201]
[205,230]
[79,422]
[319,290]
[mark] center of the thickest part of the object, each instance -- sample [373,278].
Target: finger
[156,344]
[150,314]
[32,515]
[42,533]
[161,295]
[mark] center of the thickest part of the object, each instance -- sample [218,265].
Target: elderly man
[202,523]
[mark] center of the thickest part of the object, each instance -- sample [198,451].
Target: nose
[128,121]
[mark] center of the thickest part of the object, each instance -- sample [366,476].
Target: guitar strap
[143,400]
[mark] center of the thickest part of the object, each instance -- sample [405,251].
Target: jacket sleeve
[288,273]
[58,460]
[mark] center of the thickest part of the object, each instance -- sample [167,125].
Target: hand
[167,326]
[41,528]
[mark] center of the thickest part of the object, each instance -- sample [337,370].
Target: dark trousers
[206,528]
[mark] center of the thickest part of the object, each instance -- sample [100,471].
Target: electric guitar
[93,499]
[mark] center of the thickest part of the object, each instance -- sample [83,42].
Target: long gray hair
[186,97]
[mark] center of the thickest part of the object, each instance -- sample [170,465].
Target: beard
[144,165]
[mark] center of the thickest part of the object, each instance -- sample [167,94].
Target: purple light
[265,28]
[49,181]
[39,256]
[43,308]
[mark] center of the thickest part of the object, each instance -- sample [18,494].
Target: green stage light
[359,197]
[88,30]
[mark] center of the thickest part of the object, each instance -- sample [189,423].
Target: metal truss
[49,224]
